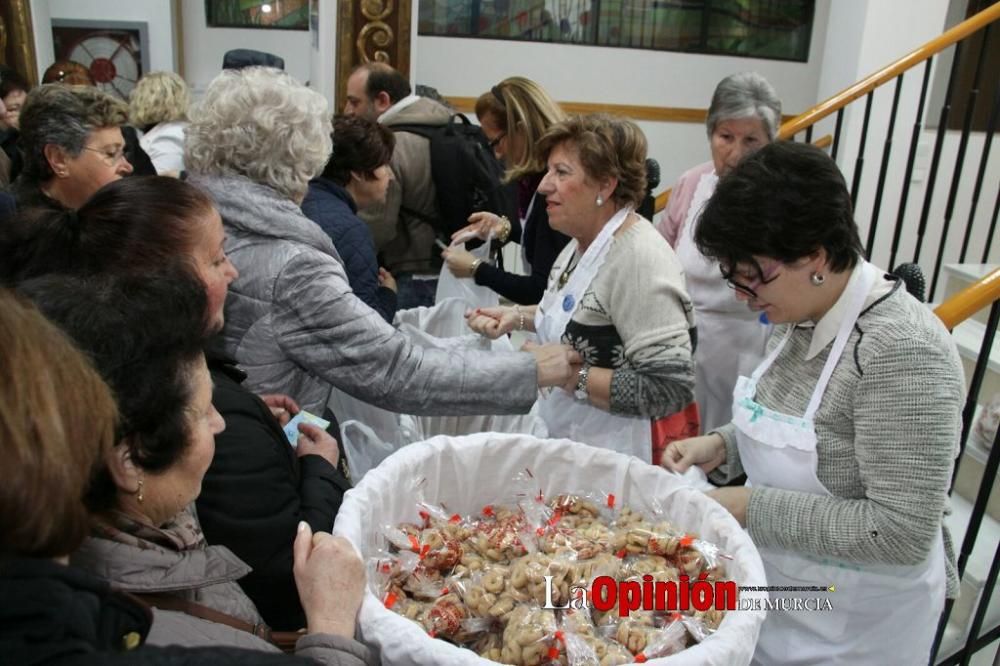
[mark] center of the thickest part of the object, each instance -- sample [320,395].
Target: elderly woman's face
[570,194]
[213,266]
[168,492]
[101,161]
[734,139]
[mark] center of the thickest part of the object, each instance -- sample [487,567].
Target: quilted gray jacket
[295,326]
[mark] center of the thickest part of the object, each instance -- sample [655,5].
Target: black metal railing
[929,232]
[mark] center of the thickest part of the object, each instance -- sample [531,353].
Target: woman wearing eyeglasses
[847,430]
[743,117]
[72,144]
[514,115]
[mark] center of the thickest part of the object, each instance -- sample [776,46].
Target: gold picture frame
[17,39]
[371,31]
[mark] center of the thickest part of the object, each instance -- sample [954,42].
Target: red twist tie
[539,531]
[488,510]
[560,636]
[611,500]
[621,554]
[390,600]
[423,551]
[426,517]
[386,568]
[687,540]
[640,658]
[455,519]
[414,544]
[553,653]
[444,591]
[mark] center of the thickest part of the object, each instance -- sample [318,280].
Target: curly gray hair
[260,123]
[745,95]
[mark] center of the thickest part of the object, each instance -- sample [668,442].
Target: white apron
[564,415]
[525,232]
[882,614]
[731,338]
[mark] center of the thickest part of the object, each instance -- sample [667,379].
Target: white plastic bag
[443,326]
[466,473]
[466,289]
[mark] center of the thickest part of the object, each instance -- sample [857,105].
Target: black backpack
[466,174]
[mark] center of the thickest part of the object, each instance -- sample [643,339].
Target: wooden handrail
[969,301]
[661,114]
[663,197]
[866,85]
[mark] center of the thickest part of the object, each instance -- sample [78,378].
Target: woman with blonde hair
[159,106]
[514,115]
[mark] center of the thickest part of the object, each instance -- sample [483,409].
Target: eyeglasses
[110,156]
[496,141]
[751,285]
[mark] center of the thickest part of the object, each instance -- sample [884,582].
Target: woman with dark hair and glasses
[847,430]
[514,115]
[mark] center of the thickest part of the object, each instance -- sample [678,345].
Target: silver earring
[817,279]
[600,200]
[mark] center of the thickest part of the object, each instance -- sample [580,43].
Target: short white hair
[745,95]
[260,123]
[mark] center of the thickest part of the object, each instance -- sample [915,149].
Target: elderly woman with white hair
[159,106]
[744,116]
[292,322]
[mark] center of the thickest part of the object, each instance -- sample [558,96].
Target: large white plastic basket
[466,473]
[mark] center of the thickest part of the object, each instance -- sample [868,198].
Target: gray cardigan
[295,326]
[887,429]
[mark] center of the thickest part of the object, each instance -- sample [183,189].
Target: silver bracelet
[520,312]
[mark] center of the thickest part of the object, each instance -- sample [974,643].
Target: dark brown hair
[359,145]
[57,421]
[131,225]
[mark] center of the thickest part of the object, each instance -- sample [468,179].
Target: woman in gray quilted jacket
[292,321]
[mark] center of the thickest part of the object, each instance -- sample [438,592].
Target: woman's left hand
[735,499]
[282,406]
[459,261]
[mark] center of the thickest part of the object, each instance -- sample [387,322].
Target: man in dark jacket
[403,234]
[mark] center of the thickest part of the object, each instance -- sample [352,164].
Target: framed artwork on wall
[115,52]
[275,14]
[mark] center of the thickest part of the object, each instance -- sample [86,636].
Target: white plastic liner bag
[466,473]
[371,433]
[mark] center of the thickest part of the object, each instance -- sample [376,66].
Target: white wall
[873,34]
[41,24]
[155,13]
[619,76]
[204,46]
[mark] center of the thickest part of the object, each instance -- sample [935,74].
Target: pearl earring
[817,279]
[139,494]
[600,200]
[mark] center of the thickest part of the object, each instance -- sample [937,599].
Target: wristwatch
[581,385]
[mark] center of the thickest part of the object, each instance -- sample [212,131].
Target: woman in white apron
[847,430]
[615,293]
[514,115]
[743,117]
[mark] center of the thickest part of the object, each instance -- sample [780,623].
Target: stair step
[976,570]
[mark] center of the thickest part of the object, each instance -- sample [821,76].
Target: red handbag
[685,423]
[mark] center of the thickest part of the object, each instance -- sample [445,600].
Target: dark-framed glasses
[496,140]
[747,285]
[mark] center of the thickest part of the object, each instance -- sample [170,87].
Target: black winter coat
[542,244]
[56,615]
[331,207]
[256,491]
